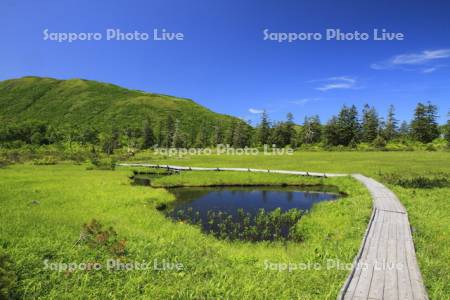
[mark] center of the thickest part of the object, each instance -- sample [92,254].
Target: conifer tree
[370,124]
[147,135]
[424,127]
[391,129]
[348,126]
[264,129]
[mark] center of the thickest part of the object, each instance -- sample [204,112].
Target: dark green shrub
[8,278]
[95,236]
[379,143]
[430,147]
[4,163]
[418,181]
[47,160]
[102,164]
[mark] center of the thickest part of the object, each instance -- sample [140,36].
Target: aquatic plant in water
[264,226]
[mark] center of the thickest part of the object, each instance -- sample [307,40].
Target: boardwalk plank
[363,286]
[377,285]
[390,282]
[404,283]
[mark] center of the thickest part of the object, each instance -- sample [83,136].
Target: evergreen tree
[239,136]
[405,130]
[290,130]
[161,134]
[419,126]
[229,136]
[348,126]
[148,135]
[370,124]
[433,126]
[217,136]
[131,136]
[278,135]
[390,130]
[89,135]
[54,135]
[424,127]
[105,143]
[169,131]
[115,137]
[202,137]
[311,132]
[283,133]
[109,141]
[331,132]
[264,129]
[177,137]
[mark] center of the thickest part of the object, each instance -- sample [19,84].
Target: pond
[246,213]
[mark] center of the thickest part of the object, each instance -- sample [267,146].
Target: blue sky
[224,62]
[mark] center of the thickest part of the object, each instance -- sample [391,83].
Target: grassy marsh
[67,196]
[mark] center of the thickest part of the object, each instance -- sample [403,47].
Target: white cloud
[255,111]
[422,57]
[339,82]
[429,70]
[426,57]
[333,86]
[303,101]
[300,101]
[343,78]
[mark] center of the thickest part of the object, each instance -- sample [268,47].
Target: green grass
[427,208]
[69,196]
[368,163]
[428,211]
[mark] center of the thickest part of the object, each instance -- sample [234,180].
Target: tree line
[348,128]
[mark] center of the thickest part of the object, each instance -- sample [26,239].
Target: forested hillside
[84,109]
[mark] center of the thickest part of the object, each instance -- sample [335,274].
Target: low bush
[102,163]
[438,180]
[47,160]
[8,278]
[4,163]
[95,236]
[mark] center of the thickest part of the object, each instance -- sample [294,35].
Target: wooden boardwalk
[386,265]
[183,168]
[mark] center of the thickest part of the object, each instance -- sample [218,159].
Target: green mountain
[79,103]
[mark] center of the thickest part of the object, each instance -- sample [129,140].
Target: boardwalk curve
[386,265]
